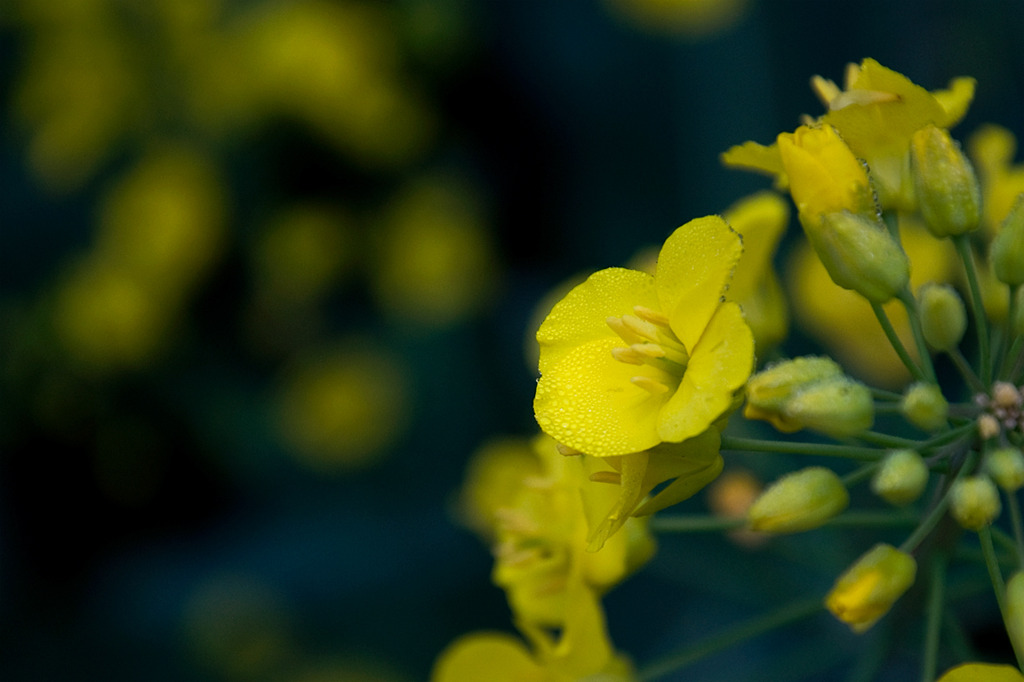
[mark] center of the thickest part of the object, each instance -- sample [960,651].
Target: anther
[652,386]
[606,477]
[652,316]
[625,333]
[628,355]
[641,328]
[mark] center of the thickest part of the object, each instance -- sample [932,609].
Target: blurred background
[268,274]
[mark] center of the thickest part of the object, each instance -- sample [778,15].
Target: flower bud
[1007,251]
[839,407]
[824,174]
[975,502]
[901,478]
[1006,467]
[869,588]
[770,389]
[1015,610]
[943,316]
[859,254]
[924,406]
[947,189]
[799,501]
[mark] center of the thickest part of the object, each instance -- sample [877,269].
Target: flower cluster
[642,375]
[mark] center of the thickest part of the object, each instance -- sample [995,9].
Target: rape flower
[580,651]
[537,508]
[992,149]
[824,175]
[982,672]
[761,219]
[868,589]
[629,360]
[876,113]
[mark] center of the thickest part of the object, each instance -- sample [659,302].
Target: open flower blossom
[629,360]
[581,651]
[536,508]
[876,113]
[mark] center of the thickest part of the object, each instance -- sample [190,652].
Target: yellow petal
[982,672]
[758,158]
[586,400]
[487,657]
[581,316]
[720,363]
[955,100]
[694,268]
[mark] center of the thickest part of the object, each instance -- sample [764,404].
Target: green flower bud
[1015,610]
[901,478]
[1007,251]
[859,254]
[771,388]
[839,407]
[1006,467]
[924,406]
[947,189]
[799,501]
[943,316]
[975,502]
[869,588]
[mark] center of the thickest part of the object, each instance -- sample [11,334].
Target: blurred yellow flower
[434,263]
[688,18]
[341,408]
[164,221]
[761,220]
[580,651]
[982,672]
[992,149]
[537,508]
[629,360]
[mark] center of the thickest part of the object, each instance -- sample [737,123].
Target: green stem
[963,247]
[1006,347]
[886,441]
[882,394]
[824,449]
[741,632]
[933,625]
[910,303]
[1018,528]
[860,473]
[897,345]
[966,371]
[996,577]
[937,512]
[694,523]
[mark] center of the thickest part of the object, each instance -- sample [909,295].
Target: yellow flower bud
[839,407]
[869,588]
[771,388]
[924,406]
[901,478]
[947,189]
[1006,467]
[1007,250]
[943,316]
[824,175]
[1015,610]
[975,502]
[859,253]
[799,501]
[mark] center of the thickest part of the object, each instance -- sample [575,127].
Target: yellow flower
[992,149]
[581,651]
[876,113]
[537,507]
[982,672]
[761,219]
[824,174]
[868,589]
[629,360]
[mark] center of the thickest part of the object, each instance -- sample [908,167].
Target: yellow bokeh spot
[435,263]
[341,409]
